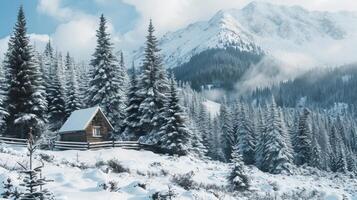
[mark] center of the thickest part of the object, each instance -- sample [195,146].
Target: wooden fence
[13,141]
[64,145]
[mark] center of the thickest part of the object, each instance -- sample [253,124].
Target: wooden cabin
[86,125]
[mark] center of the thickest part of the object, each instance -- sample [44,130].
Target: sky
[71,24]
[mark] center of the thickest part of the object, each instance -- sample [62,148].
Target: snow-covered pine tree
[238,178]
[72,92]
[48,61]
[123,82]
[25,102]
[153,88]
[56,98]
[302,141]
[315,157]
[277,155]
[105,87]
[215,150]
[33,181]
[83,74]
[245,134]
[337,157]
[351,159]
[261,138]
[203,123]
[228,139]
[131,122]
[3,112]
[174,134]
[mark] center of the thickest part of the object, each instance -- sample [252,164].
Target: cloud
[76,32]
[37,40]
[52,8]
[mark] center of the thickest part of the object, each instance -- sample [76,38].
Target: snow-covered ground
[78,174]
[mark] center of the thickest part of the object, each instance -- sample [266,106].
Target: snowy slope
[264,27]
[76,176]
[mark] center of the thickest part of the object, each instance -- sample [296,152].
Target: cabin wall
[98,120]
[74,137]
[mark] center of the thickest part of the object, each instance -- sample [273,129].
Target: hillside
[78,175]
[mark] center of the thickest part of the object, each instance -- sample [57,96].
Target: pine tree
[105,87]
[245,135]
[3,112]
[33,180]
[351,160]
[228,139]
[132,111]
[303,140]
[25,102]
[56,98]
[152,88]
[277,155]
[48,62]
[338,161]
[315,157]
[238,178]
[203,122]
[174,134]
[72,91]
[261,139]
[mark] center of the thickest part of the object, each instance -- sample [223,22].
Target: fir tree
[337,157]
[72,91]
[56,98]
[261,146]
[303,140]
[153,88]
[3,112]
[245,135]
[25,102]
[277,156]
[132,111]
[228,139]
[238,177]
[315,157]
[33,181]
[174,134]
[105,87]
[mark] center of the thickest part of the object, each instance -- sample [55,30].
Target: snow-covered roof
[80,119]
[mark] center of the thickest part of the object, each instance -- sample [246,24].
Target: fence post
[113,143]
[88,145]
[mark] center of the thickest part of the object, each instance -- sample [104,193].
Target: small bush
[46,157]
[117,167]
[184,180]
[111,186]
[169,195]
[99,163]
[142,185]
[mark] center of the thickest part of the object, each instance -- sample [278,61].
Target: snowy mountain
[263,27]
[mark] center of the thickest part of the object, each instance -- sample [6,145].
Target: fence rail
[62,145]
[13,141]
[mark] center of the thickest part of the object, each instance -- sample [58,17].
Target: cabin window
[96,131]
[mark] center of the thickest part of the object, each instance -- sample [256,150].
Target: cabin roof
[80,119]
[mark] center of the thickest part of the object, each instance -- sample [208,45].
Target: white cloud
[77,30]
[37,40]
